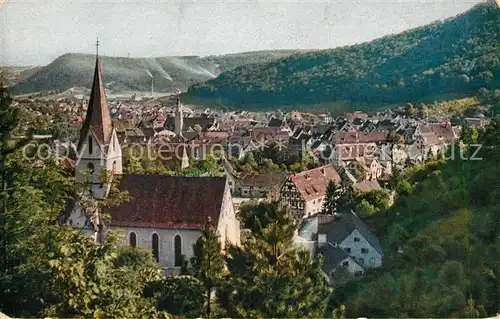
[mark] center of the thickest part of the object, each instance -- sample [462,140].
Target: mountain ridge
[133,73]
[458,55]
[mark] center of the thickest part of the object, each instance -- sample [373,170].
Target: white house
[345,242]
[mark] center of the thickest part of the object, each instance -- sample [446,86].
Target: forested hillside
[134,74]
[442,249]
[456,57]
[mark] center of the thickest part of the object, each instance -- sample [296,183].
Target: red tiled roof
[342,137]
[216,136]
[268,133]
[357,115]
[430,138]
[366,186]
[443,131]
[160,201]
[312,183]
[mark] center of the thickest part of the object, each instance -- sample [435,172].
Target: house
[346,153]
[429,143]
[165,213]
[259,185]
[357,115]
[367,167]
[444,132]
[347,245]
[260,134]
[342,137]
[304,192]
[205,123]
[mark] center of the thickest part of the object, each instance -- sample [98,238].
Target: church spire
[179,118]
[98,119]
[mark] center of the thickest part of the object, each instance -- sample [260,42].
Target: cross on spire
[97,46]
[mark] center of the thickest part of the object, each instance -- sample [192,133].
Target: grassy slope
[125,74]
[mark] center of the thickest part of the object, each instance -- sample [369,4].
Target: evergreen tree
[331,194]
[179,296]
[346,199]
[208,263]
[270,277]
[9,121]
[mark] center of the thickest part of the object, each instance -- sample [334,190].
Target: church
[163,213]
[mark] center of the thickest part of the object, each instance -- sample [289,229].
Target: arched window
[114,166]
[133,239]
[177,250]
[90,167]
[90,144]
[155,247]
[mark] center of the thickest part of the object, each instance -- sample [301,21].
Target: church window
[90,144]
[114,166]
[90,167]
[155,247]
[178,250]
[71,222]
[133,239]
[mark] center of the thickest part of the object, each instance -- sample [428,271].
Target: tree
[365,209]
[331,195]
[270,277]
[395,138]
[179,296]
[197,128]
[95,280]
[410,109]
[256,215]
[207,262]
[57,271]
[346,198]
[9,118]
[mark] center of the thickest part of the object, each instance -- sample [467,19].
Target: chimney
[151,86]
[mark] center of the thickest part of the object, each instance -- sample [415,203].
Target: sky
[38,31]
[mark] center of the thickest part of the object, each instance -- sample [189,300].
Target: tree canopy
[457,56]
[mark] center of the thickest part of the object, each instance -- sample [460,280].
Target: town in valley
[155,199]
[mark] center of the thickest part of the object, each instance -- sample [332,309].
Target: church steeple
[98,149]
[98,119]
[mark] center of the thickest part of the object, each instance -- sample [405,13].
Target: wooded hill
[441,243]
[454,57]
